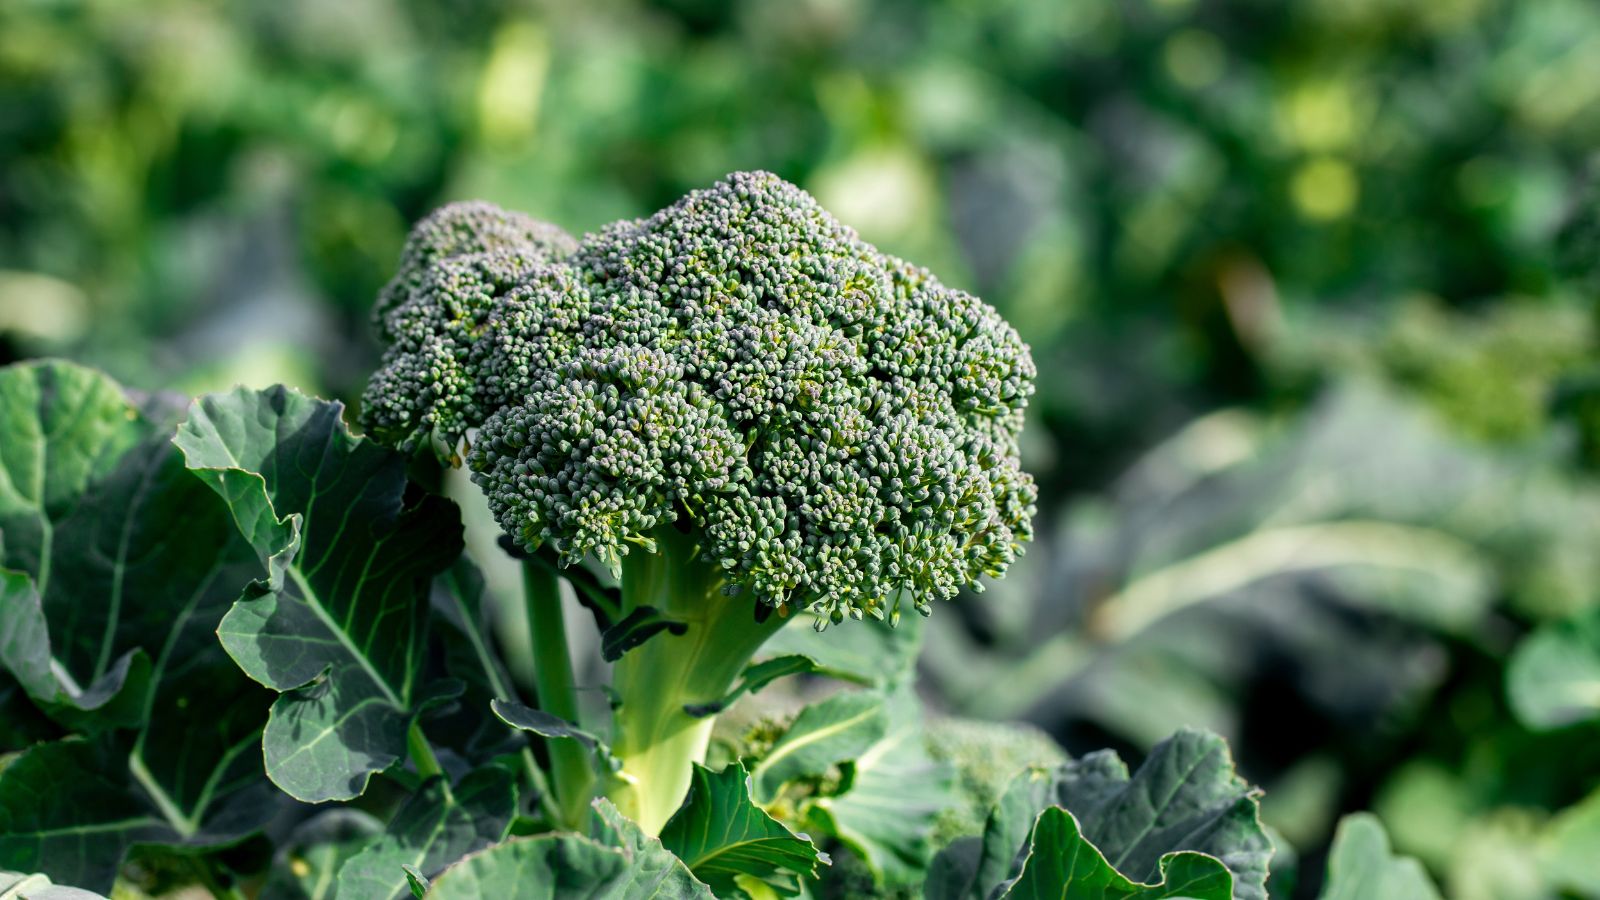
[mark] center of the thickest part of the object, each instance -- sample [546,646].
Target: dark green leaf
[639,626]
[64,811]
[545,725]
[722,835]
[756,677]
[437,826]
[562,867]
[135,563]
[339,629]
[72,809]
[1554,674]
[1362,867]
[838,728]
[113,700]
[1060,862]
[458,607]
[1185,797]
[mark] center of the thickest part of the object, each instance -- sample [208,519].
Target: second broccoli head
[837,428]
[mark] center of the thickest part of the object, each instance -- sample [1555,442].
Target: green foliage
[1360,865]
[119,570]
[985,756]
[567,867]
[822,735]
[340,630]
[1554,675]
[896,793]
[436,826]
[731,844]
[1061,863]
[1183,822]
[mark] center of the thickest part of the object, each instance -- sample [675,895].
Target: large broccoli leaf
[339,628]
[570,867]
[123,564]
[1185,797]
[896,792]
[1060,862]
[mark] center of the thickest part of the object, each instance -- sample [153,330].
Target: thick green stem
[571,774]
[653,737]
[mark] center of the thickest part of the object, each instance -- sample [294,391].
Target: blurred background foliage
[1312,288]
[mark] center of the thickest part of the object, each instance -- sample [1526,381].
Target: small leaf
[438,825]
[554,727]
[756,677]
[1553,677]
[113,700]
[1060,862]
[824,733]
[339,628]
[416,881]
[1362,867]
[639,626]
[720,834]
[563,867]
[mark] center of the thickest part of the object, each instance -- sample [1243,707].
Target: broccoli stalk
[652,735]
[736,405]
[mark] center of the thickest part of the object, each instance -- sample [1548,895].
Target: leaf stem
[571,773]
[422,752]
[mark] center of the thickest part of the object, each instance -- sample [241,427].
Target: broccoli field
[832,449]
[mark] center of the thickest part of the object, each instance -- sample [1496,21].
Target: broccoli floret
[736,404]
[459,263]
[839,427]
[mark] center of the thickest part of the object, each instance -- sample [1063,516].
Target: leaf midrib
[812,737]
[312,600]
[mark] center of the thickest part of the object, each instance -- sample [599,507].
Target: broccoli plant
[244,648]
[736,406]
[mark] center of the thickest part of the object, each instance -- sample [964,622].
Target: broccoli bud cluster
[838,427]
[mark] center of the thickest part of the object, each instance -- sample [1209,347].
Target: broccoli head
[837,427]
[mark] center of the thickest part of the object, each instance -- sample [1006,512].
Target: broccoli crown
[838,426]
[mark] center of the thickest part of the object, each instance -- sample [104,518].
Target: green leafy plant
[242,647]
